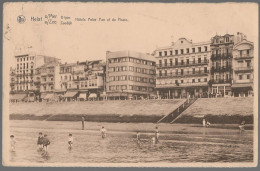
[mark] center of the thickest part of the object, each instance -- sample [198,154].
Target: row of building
[221,67]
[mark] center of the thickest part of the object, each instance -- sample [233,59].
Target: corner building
[182,69]
[130,75]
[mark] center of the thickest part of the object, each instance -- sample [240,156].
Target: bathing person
[40,142]
[46,143]
[242,126]
[207,123]
[83,121]
[70,140]
[103,132]
[12,143]
[138,137]
[156,135]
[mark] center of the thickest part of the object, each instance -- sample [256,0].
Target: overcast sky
[149,25]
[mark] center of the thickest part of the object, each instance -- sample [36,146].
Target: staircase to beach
[174,115]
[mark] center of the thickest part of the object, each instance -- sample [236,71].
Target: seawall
[217,111]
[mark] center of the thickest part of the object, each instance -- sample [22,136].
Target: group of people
[43,142]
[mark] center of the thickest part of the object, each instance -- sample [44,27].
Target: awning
[70,94]
[49,96]
[17,96]
[82,96]
[242,85]
[92,95]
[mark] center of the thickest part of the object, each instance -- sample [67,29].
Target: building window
[241,53]
[205,69]
[247,52]
[205,80]
[248,63]
[160,73]
[176,81]
[193,70]
[193,50]
[165,72]
[181,51]
[176,61]
[182,62]
[193,80]
[181,81]
[160,53]
[176,52]
[181,71]
[176,72]
[187,50]
[160,63]
[198,80]
[187,61]
[248,76]
[165,53]
[170,62]
[117,87]
[205,48]
[165,62]
[199,49]
[171,52]
[227,39]
[199,60]
[240,77]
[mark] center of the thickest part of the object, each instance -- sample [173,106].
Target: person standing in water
[103,132]
[138,137]
[70,141]
[46,143]
[83,122]
[156,134]
[12,143]
[40,142]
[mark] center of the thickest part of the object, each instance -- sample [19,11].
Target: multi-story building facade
[243,71]
[221,59]
[130,75]
[12,80]
[84,78]
[47,79]
[182,69]
[25,66]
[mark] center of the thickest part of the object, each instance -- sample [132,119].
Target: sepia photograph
[106,84]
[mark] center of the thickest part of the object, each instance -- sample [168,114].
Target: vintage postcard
[130,84]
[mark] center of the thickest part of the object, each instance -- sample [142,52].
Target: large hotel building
[183,69]
[130,75]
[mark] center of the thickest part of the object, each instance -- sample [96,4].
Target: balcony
[243,69]
[243,81]
[221,69]
[221,81]
[182,64]
[221,56]
[194,84]
[184,74]
[243,57]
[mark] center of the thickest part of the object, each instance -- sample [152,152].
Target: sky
[149,25]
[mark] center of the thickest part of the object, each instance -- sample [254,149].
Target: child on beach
[40,142]
[12,143]
[70,141]
[242,126]
[103,132]
[46,142]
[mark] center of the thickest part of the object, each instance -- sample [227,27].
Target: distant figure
[153,141]
[156,135]
[204,122]
[46,143]
[12,143]
[40,142]
[70,141]
[208,124]
[138,137]
[82,120]
[103,132]
[242,125]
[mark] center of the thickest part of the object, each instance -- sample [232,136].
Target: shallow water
[177,143]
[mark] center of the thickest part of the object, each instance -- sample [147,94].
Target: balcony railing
[243,81]
[221,81]
[181,74]
[243,69]
[221,69]
[182,64]
[182,84]
[243,57]
[221,56]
